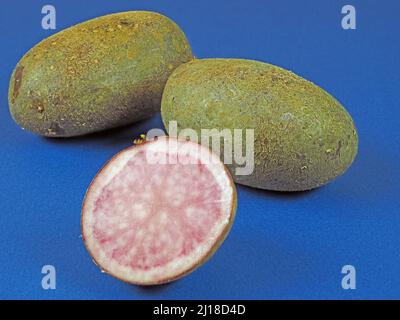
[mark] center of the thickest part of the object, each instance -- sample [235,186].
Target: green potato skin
[103,73]
[303,137]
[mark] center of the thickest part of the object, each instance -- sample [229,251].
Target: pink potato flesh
[149,223]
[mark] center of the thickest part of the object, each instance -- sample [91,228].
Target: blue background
[281,245]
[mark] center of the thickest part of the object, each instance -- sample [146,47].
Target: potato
[303,137]
[99,74]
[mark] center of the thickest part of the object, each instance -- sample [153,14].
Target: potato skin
[99,74]
[304,138]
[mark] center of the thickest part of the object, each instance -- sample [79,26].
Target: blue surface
[281,246]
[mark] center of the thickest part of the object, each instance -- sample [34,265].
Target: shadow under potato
[153,289]
[289,195]
[120,136]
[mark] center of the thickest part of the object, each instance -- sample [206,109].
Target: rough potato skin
[99,74]
[304,138]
